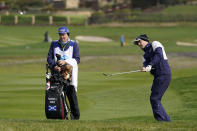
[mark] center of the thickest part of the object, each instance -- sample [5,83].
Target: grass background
[116,103]
[180,9]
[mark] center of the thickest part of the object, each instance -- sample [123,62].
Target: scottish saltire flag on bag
[52,108]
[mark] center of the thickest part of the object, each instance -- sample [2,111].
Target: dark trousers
[72,97]
[160,85]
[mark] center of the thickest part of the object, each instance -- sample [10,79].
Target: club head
[105,74]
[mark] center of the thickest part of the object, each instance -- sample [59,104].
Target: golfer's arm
[157,56]
[145,63]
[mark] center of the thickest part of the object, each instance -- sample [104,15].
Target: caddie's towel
[73,63]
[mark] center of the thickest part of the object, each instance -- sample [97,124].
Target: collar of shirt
[147,47]
[64,43]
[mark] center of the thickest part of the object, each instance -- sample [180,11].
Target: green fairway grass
[181,9]
[117,103]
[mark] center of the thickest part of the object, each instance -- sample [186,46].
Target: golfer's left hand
[61,62]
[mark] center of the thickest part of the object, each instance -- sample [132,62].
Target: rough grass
[49,125]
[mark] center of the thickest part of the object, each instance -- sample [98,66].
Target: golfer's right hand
[57,68]
[143,69]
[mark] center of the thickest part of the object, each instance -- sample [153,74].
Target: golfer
[69,51]
[156,62]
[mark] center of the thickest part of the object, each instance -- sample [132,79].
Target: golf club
[120,73]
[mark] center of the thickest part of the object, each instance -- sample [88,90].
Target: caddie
[69,52]
[156,62]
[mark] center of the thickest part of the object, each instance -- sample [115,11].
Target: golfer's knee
[154,100]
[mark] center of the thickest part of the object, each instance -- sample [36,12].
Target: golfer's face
[63,37]
[142,44]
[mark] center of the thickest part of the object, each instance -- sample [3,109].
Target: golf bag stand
[56,106]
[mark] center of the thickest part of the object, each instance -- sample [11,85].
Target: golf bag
[56,106]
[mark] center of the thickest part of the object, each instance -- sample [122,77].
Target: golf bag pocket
[55,106]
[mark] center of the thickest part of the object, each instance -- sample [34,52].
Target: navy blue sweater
[156,57]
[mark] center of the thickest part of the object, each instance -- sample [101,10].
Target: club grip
[47,68]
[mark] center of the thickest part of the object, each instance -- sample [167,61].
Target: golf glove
[148,68]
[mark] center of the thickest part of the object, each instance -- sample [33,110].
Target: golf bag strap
[62,109]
